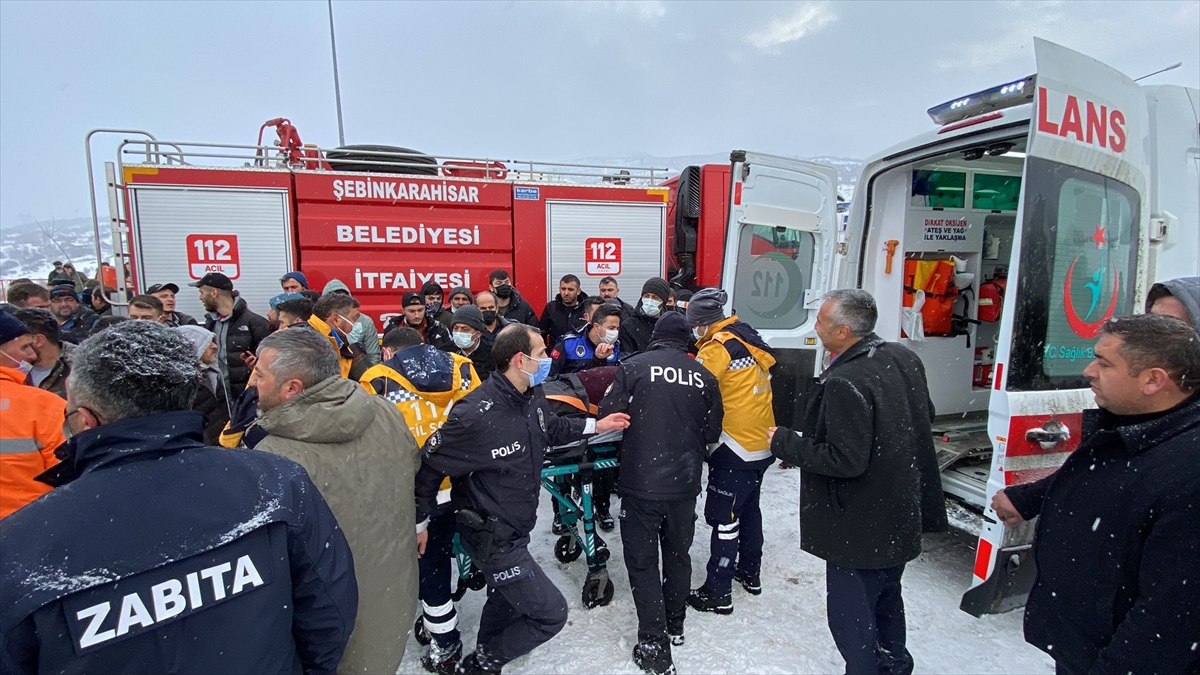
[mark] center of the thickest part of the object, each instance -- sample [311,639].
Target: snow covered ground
[781,631]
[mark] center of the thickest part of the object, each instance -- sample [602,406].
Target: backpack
[991,297]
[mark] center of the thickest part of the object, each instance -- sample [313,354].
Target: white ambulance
[1034,212]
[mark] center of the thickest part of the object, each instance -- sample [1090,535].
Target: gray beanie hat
[657,286]
[470,316]
[199,336]
[707,307]
[460,290]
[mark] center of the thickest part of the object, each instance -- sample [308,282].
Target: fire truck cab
[1053,201]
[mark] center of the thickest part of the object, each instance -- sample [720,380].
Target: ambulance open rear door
[1082,228]
[780,259]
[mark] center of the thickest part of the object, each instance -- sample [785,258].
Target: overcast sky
[543,80]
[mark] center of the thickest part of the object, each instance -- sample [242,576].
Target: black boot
[654,658]
[752,584]
[605,520]
[703,601]
[557,526]
[675,630]
[442,660]
[476,664]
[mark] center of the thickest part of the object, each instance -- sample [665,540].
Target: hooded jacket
[370,333]
[1117,547]
[558,320]
[31,427]
[737,355]
[167,555]
[869,479]
[361,455]
[1185,289]
[239,332]
[675,411]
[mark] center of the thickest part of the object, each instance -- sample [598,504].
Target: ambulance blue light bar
[1008,95]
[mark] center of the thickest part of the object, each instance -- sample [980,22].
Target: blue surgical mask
[463,340]
[543,371]
[699,333]
[651,307]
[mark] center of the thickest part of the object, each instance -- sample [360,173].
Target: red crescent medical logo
[1082,328]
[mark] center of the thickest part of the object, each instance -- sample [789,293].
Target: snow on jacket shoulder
[165,551]
[359,452]
[869,480]
[675,411]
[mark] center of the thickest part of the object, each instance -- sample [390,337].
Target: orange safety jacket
[31,428]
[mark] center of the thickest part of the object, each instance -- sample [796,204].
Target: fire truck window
[1077,269]
[774,269]
[995,193]
[939,189]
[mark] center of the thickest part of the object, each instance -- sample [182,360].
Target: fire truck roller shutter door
[350,158]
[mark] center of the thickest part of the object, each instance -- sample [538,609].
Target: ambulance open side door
[1083,219]
[780,258]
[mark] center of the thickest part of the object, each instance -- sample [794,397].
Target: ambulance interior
[947,223]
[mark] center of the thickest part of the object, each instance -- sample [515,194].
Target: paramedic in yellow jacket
[424,383]
[736,354]
[336,317]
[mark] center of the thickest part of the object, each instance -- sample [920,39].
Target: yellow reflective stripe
[18,446]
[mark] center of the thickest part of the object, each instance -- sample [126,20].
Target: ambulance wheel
[566,550]
[350,158]
[419,631]
[597,592]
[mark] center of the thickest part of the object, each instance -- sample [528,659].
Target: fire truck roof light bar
[1008,95]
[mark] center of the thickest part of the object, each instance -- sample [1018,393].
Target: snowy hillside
[30,249]
[781,631]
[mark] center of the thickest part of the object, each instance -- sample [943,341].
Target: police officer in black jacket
[164,554]
[494,441]
[675,411]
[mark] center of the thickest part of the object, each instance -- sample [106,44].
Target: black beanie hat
[11,328]
[672,326]
[471,316]
[658,287]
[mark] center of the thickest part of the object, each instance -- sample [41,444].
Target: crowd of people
[293,484]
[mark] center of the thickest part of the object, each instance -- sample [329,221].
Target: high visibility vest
[424,411]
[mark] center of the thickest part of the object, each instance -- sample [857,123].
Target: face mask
[356,333]
[463,340]
[490,317]
[610,337]
[25,366]
[542,372]
[699,334]
[504,291]
[651,307]
[432,308]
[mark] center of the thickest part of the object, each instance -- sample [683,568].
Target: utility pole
[337,87]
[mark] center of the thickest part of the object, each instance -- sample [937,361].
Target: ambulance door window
[774,267]
[1078,267]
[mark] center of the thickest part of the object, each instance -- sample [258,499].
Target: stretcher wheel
[566,550]
[597,591]
[419,632]
[602,554]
